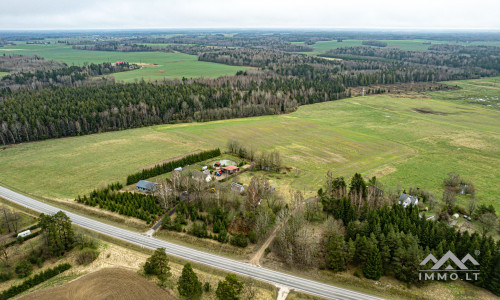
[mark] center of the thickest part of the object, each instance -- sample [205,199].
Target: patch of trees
[58,233]
[171,165]
[477,60]
[10,220]
[33,281]
[64,76]
[374,43]
[119,47]
[240,40]
[380,238]
[144,207]
[28,63]
[226,216]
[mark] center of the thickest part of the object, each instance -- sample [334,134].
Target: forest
[42,99]
[34,73]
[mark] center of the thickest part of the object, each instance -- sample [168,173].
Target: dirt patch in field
[426,110]
[11,49]
[467,141]
[110,283]
[169,159]
[384,171]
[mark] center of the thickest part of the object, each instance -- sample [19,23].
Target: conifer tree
[372,269]
[189,286]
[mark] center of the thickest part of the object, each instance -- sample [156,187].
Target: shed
[231,169]
[217,165]
[24,233]
[455,216]
[204,168]
[236,187]
[178,169]
[146,186]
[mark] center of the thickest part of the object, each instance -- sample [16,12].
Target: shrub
[86,256]
[206,287]
[252,236]
[239,240]
[24,268]
[6,276]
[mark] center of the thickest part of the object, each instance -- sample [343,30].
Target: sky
[173,14]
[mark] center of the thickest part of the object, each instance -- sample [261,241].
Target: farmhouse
[146,186]
[236,187]
[406,200]
[230,169]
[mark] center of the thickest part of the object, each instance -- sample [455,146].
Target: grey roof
[404,196]
[148,185]
[237,186]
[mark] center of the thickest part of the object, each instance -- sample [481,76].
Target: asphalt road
[283,279]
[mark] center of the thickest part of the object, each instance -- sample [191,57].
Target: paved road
[297,283]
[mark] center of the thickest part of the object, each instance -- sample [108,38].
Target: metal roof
[148,185]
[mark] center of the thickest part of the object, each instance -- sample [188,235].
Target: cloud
[115,14]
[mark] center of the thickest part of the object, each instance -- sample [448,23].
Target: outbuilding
[147,186]
[230,169]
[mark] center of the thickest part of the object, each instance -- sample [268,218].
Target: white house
[406,200]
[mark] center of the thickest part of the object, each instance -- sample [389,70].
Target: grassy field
[480,92]
[3,74]
[414,45]
[411,142]
[157,65]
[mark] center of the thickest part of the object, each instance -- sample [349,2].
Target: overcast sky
[126,14]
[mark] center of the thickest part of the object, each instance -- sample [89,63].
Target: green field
[480,92]
[413,45]
[3,74]
[157,65]
[377,135]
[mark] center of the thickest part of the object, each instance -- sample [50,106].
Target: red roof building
[231,169]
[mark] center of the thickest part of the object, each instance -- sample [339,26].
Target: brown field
[109,283]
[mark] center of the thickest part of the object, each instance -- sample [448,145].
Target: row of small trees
[171,165]
[33,281]
[144,207]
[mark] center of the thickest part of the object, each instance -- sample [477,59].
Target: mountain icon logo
[449,256]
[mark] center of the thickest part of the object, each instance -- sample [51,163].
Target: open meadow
[408,141]
[156,65]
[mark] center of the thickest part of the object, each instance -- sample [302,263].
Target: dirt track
[109,283]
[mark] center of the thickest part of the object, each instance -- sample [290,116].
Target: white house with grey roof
[146,186]
[406,200]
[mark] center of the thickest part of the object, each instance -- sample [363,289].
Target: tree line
[65,76]
[171,165]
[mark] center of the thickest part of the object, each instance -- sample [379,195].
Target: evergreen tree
[372,269]
[158,264]
[335,257]
[229,289]
[189,286]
